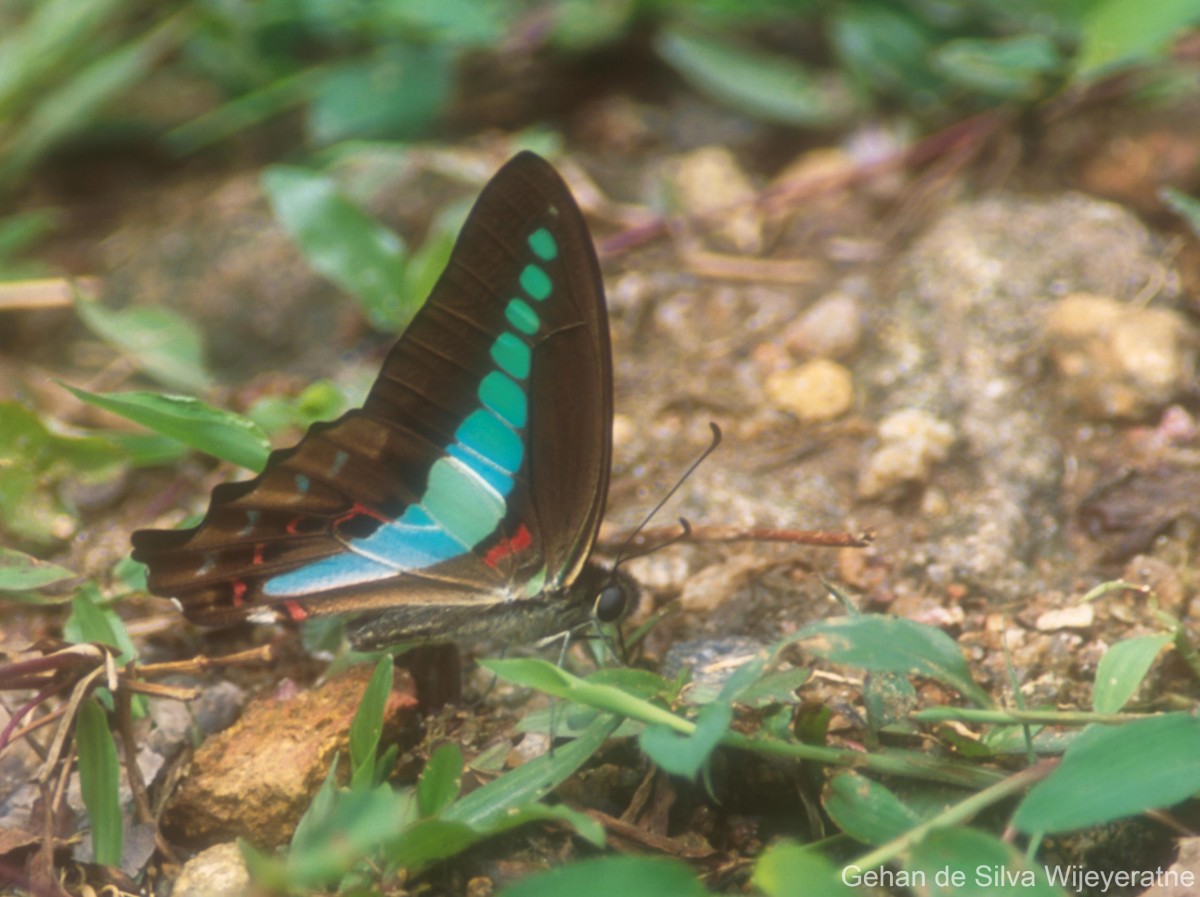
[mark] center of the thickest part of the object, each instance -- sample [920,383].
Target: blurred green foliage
[198,72]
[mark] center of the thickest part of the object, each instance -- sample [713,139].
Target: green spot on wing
[535,282]
[512,355]
[465,506]
[504,397]
[542,243]
[522,316]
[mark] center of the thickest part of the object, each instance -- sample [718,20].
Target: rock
[219,871]
[830,328]
[1117,361]
[238,784]
[709,182]
[817,390]
[912,441]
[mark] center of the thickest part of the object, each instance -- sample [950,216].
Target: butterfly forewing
[475,472]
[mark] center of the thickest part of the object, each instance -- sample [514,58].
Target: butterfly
[463,499]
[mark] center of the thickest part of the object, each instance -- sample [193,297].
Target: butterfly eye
[611,604]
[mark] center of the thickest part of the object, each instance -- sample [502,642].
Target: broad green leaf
[453,23]
[1111,772]
[367,725]
[778,687]
[1119,33]
[20,572]
[440,780]
[319,401]
[33,462]
[886,49]
[967,862]
[64,109]
[1122,669]
[774,88]
[532,781]
[626,876]
[397,92]
[787,869]
[100,781]
[206,429]
[353,828]
[54,33]
[893,645]
[866,810]
[311,826]
[433,839]
[684,755]
[1018,67]
[89,622]
[157,340]
[343,243]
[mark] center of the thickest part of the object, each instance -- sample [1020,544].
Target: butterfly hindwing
[477,469]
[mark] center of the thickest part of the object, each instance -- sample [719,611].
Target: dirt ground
[986,358]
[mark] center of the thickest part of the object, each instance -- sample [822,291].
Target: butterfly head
[617,597]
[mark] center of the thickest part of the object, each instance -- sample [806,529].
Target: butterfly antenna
[623,555]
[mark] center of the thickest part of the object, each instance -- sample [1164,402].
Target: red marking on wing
[503,549]
[239,592]
[360,509]
[258,554]
[293,526]
[295,611]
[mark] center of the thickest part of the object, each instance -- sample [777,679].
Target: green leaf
[89,622]
[1121,33]
[157,340]
[786,869]
[454,23]
[395,93]
[772,88]
[1016,67]
[20,572]
[1111,772]
[886,49]
[356,824]
[778,687]
[683,755]
[207,429]
[1186,207]
[310,829]
[65,109]
[434,839]
[531,781]
[440,780]
[893,645]
[319,401]
[343,243]
[367,725]
[1122,669]
[19,233]
[626,876]
[972,863]
[100,781]
[866,810]
[33,462]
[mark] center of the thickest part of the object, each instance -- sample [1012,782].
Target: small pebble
[710,181]
[817,390]
[830,328]
[1080,616]
[1118,361]
[912,441]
